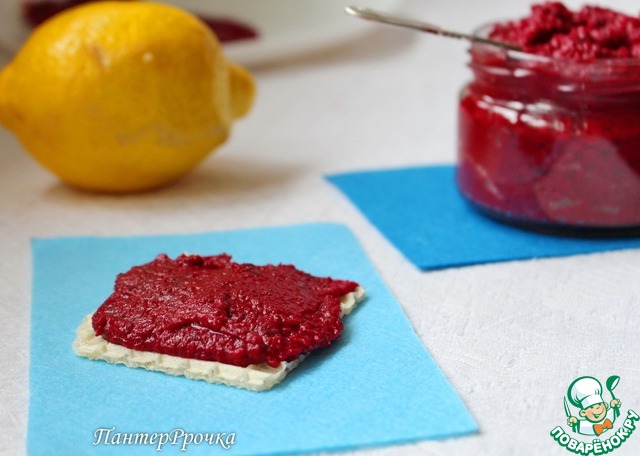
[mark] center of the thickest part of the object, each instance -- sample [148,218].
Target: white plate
[286,28]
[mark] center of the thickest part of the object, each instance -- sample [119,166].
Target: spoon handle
[377,16]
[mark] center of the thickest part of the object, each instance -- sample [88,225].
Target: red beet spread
[36,12]
[588,34]
[555,141]
[213,309]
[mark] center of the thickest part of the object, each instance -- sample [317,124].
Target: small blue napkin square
[376,385]
[422,213]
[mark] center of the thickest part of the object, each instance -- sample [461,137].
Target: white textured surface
[510,337]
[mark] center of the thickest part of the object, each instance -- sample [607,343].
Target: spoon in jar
[377,16]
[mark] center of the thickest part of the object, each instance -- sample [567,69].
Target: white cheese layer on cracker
[256,377]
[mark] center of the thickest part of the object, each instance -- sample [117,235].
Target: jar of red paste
[551,142]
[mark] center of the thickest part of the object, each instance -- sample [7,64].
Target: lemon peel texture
[122,96]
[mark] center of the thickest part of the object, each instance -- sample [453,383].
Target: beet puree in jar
[550,137]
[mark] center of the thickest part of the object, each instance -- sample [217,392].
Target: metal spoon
[377,16]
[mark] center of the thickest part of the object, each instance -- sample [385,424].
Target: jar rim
[566,62]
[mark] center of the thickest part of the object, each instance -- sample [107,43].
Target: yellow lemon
[122,96]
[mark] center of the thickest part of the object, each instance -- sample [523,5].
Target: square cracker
[256,377]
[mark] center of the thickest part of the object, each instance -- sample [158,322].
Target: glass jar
[551,143]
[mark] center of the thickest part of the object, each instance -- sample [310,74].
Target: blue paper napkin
[376,385]
[421,212]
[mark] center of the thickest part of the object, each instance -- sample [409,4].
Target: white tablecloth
[510,337]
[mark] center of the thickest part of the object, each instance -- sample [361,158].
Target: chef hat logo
[585,392]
